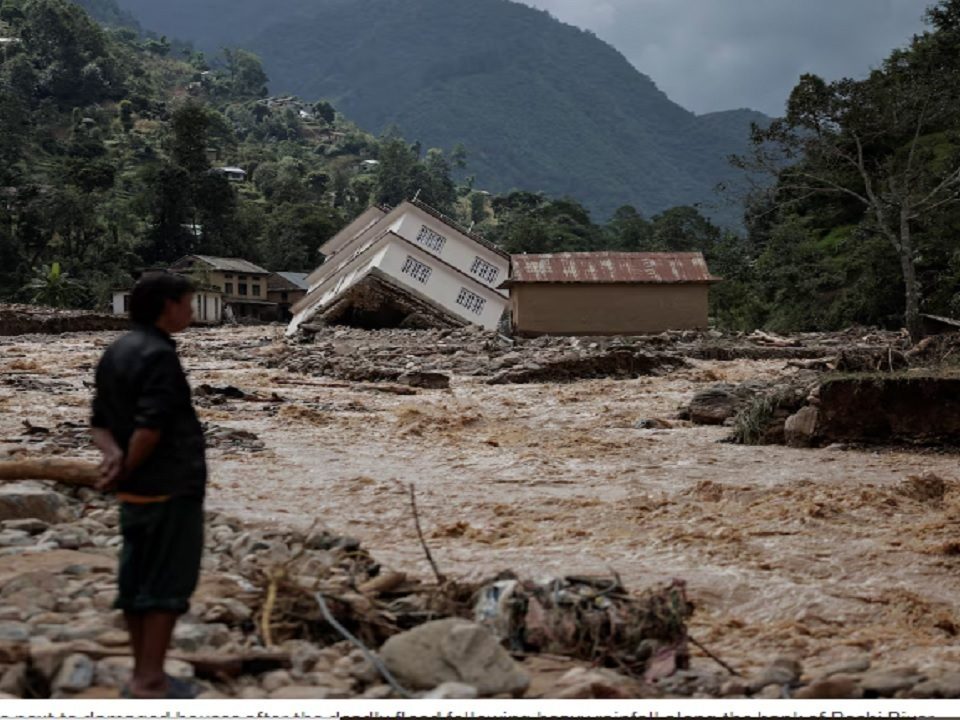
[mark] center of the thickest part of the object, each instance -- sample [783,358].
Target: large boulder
[800,429]
[20,501]
[716,404]
[453,650]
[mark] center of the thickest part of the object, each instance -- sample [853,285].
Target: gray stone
[800,429]
[423,379]
[193,637]
[782,671]
[300,692]
[835,687]
[15,538]
[885,683]
[847,667]
[115,671]
[19,501]
[946,686]
[377,692]
[14,680]
[275,680]
[75,674]
[29,525]
[452,691]
[14,631]
[453,650]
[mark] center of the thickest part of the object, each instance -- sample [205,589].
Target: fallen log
[68,472]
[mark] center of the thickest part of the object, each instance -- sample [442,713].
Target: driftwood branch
[68,472]
[423,543]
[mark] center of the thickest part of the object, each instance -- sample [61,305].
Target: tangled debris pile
[256,629]
[358,355]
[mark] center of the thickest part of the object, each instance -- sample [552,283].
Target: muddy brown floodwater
[823,554]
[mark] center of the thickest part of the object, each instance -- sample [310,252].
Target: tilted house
[243,284]
[409,266]
[608,293]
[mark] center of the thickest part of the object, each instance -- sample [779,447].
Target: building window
[472,302]
[431,240]
[417,270]
[242,288]
[126,303]
[283,297]
[256,290]
[228,276]
[228,288]
[484,270]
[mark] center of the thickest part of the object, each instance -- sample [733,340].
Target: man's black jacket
[141,384]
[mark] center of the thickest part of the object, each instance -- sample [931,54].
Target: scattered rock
[275,680]
[717,404]
[28,525]
[836,687]
[22,501]
[426,380]
[885,683]
[453,650]
[800,429]
[599,683]
[300,692]
[75,674]
[847,667]
[14,680]
[115,671]
[782,671]
[452,691]
[946,686]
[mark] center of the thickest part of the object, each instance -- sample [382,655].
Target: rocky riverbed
[813,572]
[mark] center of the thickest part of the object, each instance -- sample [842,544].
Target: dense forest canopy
[541,105]
[863,222]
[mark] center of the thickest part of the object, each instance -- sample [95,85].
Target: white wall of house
[452,247]
[207,307]
[445,286]
[121,302]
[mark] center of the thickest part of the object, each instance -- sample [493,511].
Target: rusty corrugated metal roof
[610,267]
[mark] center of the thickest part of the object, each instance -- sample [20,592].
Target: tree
[324,110]
[190,125]
[54,288]
[884,145]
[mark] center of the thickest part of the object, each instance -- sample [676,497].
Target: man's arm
[112,463]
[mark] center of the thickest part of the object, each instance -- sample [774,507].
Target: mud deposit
[824,554]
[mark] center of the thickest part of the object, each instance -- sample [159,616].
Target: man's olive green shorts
[160,560]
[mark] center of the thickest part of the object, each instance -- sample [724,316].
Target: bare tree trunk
[911,285]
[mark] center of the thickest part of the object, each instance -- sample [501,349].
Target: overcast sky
[723,54]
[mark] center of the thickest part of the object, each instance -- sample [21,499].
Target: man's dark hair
[151,292]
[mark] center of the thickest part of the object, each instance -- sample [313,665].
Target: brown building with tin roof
[608,293]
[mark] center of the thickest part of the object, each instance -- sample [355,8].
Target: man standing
[154,460]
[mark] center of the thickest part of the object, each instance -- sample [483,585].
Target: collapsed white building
[406,267]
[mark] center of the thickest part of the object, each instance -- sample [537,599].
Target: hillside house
[285,289]
[243,285]
[608,293]
[408,266]
[233,174]
[207,303]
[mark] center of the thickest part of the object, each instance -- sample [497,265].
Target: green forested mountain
[541,105]
[110,144]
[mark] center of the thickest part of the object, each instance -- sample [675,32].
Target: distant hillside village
[412,267]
